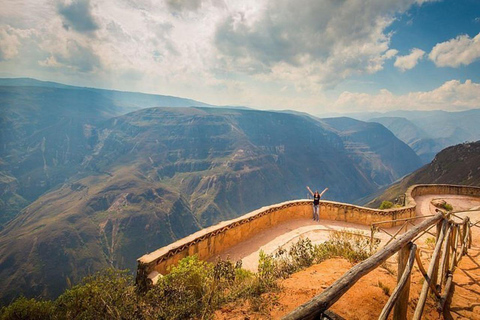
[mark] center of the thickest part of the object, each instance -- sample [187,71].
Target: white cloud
[409,61]
[221,52]
[319,43]
[9,43]
[462,50]
[452,95]
[74,56]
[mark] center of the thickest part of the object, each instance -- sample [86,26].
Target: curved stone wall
[425,189]
[210,241]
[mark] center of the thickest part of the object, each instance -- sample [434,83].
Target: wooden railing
[452,241]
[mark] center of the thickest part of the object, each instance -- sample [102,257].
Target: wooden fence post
[401,307]
[372,232]
[435,268]
[466,234]
[432,268]
[445,259]
[469,236]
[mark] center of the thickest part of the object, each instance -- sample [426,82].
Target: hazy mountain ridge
[404,129]
[459,164]
[123,100]
[428,132]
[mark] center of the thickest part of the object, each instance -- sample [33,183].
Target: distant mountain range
[459,164]
[86,185]
[121,101]
[428,132]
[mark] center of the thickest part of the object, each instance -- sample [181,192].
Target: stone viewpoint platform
[278,225]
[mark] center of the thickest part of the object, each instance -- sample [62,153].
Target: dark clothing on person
[316,199]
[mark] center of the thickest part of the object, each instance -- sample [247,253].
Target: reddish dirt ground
[366,298]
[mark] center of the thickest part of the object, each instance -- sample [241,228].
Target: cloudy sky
[317,56]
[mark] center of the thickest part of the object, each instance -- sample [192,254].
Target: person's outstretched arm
[321,194]
[310,190]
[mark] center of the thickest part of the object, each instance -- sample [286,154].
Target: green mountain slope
[459,164]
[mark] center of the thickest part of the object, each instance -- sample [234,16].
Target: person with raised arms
[316,202]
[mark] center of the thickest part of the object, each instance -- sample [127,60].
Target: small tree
[386,205]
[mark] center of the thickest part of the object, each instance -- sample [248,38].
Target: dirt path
[367,297]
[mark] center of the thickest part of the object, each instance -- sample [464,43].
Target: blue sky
[319,56]
[423,27]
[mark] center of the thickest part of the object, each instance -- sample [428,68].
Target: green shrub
[302,253]
[267,272]
[224,276]
[28,309]
[109,294]
[386,205]
[182,293]
[242,274]
[192,273]
[448,207]
[353,246]
[171,301]
[195,288]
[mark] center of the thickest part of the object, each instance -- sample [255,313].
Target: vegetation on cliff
[192,289]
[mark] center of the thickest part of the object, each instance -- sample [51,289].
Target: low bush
[30,309]
[386,205]
[109,294]
[448,207]
[182,293]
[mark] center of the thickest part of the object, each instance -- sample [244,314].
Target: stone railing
[211,241]
[425,189]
